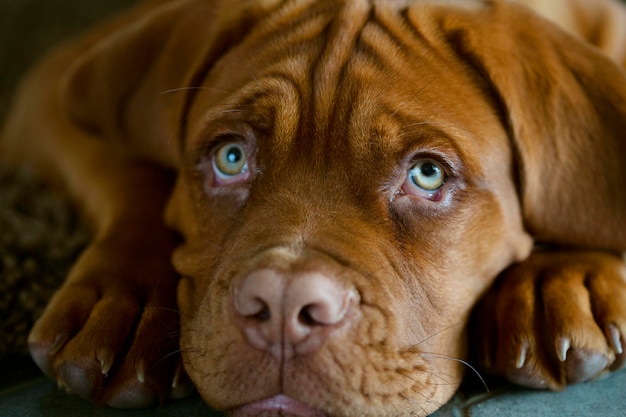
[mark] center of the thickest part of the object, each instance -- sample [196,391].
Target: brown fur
[333,102]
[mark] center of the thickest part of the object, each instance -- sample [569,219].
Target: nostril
[318,300]
[325,312]
[306,317]
[264,314]
[259,296]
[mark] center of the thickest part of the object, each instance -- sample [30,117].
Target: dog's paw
[555,319]
[110,334]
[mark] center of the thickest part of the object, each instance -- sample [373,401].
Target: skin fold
[318,208]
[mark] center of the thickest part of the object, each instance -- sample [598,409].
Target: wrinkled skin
[319,197]
[316,271]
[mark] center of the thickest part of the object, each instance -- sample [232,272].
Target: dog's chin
[280,405]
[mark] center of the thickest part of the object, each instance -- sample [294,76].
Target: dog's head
[352,177]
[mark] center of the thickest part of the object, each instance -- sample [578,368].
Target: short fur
[319,280]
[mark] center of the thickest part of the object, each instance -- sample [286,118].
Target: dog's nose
[290,312]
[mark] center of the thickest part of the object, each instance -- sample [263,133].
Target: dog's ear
[150,65]
[564,104]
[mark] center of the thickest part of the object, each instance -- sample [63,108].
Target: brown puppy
[348,178]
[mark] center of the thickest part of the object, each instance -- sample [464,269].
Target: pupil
[234,155]
[429,170]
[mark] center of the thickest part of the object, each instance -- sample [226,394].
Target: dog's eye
[427,175]
[230,164]
[425,179]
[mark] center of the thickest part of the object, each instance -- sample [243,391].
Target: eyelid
[228,127]
[450,164]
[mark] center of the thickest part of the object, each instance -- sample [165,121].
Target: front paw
[555,319]
[110,334]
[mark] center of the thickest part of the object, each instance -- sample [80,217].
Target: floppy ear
[599,22]
[135,83]
[564,104]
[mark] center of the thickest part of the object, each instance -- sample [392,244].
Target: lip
[279,405]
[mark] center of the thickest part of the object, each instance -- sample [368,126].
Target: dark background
[30,27]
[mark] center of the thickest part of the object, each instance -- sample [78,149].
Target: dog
[321,208]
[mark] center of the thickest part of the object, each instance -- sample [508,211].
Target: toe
[526,370]
[578,344]
[65,315]
[145,377]
[80,376]
[583,364]
[43,349]
[91,355]
[133,391]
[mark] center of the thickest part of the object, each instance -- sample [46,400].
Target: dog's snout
[298,310]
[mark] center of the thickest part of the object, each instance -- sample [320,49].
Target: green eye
[427,175]
[230,160]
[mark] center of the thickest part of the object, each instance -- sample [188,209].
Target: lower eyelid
[221,180]
[434,196]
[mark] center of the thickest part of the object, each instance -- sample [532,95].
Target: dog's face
[353,175]
[345,201]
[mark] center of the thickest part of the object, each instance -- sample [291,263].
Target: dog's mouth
[279,405]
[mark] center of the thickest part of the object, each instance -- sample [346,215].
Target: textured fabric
[40,239]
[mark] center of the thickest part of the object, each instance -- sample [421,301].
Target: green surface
[32,395]
[40,397]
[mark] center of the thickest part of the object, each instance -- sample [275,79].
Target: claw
[614,336]
[59,341]
[181,386]
[105,367]
[562,346]
[141,372]
[176,378]
[63,386]
[521,356]
[106,361]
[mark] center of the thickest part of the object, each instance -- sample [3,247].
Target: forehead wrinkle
[378,67]
[341,38]
[387,126]
[279,108]
[269,105]
[370,127]
[403,94]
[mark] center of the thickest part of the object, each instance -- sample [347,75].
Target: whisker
[434,375]
[175,352]
[415,403]
[171,334]
[177,90]
[159,308]
[188,331]
[438,356]
[415,124]
[226,112]
[438,333]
